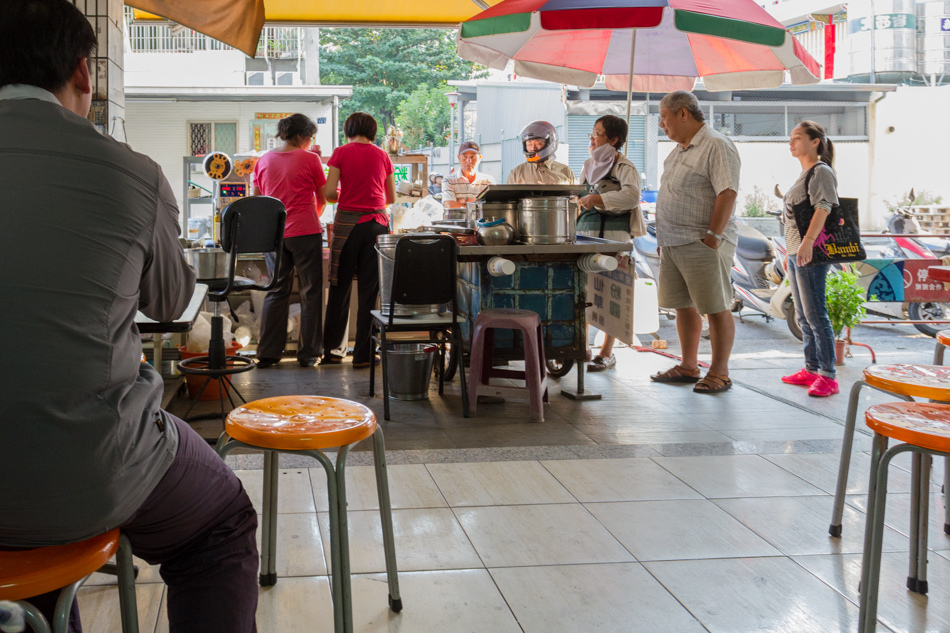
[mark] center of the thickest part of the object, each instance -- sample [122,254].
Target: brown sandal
[713,383]
[676,374]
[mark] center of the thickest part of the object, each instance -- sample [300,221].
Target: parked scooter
[758,279]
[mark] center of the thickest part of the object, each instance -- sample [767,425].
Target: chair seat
[423,321]
[300,423]
[28,573]
[943,337]
[918,423]
[917,381]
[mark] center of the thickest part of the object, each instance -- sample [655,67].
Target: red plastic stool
[483,340]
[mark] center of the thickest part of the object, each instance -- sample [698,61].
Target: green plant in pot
[844,299]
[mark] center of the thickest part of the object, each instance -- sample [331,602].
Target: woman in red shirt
[294,175]
[367,186]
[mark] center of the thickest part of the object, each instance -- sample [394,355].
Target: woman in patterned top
[818,186]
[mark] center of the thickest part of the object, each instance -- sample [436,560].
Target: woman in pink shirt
[367,186]
[294,175]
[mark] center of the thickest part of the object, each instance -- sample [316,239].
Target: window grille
[208,137]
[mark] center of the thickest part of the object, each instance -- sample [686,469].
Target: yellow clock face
[217,165]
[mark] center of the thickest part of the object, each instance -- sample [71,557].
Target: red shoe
[823,387]
[804,377]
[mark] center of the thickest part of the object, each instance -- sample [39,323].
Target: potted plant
[845,299]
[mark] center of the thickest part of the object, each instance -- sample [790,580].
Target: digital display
[233,189]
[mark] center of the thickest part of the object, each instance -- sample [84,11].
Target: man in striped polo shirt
[464,186]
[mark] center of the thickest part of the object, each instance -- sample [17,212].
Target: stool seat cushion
[31,572]
[918,381]
[919,423]
[943,337]
[299,423]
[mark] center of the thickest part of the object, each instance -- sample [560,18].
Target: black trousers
[199,526]
[358,258]
[305,254]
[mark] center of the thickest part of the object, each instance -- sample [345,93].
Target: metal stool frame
[128,611]
[881,457]
[339,539]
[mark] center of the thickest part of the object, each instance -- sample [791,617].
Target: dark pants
[305,254]
[198,525]
[358,257]
[811,310]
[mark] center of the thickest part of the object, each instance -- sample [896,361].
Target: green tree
[385,66]
[424,116]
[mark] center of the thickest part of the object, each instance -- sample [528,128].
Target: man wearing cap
[465,186]
[539,143]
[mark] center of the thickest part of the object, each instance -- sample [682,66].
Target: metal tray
[513,193]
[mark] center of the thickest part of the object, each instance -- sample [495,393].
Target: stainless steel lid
[545,202]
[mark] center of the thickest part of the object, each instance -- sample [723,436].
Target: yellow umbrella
[238,23]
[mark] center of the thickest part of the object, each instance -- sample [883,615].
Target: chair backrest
[252,225]
[425,271]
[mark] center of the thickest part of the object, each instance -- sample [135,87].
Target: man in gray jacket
[89,235]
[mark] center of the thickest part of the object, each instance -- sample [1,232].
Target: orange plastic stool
[308,425]
[906,382]
[924,430]
[32,572]
[943,340]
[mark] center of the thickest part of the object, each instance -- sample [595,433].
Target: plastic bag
[293,321]
[200,334]
[431,208]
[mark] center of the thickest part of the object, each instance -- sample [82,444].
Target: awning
[238,23]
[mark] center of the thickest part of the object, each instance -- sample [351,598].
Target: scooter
[758,279]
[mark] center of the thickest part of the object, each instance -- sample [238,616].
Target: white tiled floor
[628,544]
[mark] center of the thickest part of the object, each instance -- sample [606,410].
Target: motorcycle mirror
[912,196]
[778,192]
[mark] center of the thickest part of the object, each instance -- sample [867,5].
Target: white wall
[160,129]
[917,153]
[200,68]
[767,164]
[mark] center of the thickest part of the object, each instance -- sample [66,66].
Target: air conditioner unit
[287,78]
[256,78]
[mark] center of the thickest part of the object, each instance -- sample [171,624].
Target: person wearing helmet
[435,184]
[539,142]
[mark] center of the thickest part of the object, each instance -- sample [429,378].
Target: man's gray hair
[676,101]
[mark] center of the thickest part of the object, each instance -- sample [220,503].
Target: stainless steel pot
[386,255]
[547,220]
[494,232]
[209,263]
[510,211]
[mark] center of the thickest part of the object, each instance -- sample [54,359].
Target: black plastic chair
[425,271]
[248,225]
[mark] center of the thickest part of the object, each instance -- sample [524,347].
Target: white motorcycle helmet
[539,130]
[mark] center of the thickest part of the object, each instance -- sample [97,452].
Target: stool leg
[938,354]
[336,585]
[946,498]
[268,574]
[346,599]
[919,517]
[384,360]
[34,618]
[126,578]
[475,369]
[386,518]
[844,464]
[532,379]
[873,534]
[64,605]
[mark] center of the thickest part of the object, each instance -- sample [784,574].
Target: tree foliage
[386,66]
[424,116]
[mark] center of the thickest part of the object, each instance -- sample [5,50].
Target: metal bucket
[409,366]
[510,211]
[386,256]
[211,264]
[547,220]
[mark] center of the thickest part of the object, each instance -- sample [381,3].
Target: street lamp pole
[453,101]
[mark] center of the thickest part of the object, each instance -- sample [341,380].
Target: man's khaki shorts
[694,275]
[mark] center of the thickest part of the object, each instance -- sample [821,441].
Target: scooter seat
[753,245]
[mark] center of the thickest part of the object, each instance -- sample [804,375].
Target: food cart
[546,280]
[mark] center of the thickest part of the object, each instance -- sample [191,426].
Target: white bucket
[646,307]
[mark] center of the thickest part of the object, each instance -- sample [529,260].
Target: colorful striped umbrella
[642,45]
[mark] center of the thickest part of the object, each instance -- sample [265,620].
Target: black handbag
[840,238]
